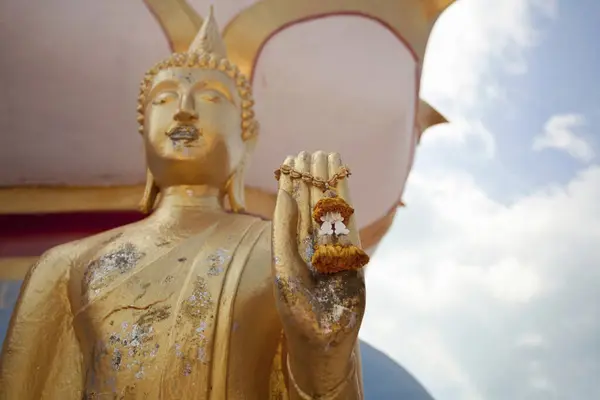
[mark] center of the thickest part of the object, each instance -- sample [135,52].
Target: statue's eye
[211,96]
[164,98]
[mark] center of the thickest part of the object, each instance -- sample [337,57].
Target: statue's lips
[185,133]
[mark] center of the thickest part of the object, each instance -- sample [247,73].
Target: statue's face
[193,131]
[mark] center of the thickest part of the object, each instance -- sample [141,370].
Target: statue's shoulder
[252,217]
[63,258]
[51,265]
[257,223]
[255,233]
[260,225]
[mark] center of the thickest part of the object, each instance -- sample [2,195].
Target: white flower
[333,225]
[340,228]
[326,229]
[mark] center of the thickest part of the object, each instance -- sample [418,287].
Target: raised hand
[321,306]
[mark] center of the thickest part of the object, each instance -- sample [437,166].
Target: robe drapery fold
[41,357]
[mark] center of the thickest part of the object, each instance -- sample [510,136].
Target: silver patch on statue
[106,268]
[217,262]
[309,250]
[335,304]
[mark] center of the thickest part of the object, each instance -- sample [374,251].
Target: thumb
[285,232]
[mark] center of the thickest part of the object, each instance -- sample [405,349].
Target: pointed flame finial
[209,40]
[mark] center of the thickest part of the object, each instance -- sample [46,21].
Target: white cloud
[559,133]
[471,38]
[530,340]
[483,300]
[464,132]
[477,298]
[473,41]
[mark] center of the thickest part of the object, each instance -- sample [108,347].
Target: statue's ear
[150,194]
[235,192]
[236,185]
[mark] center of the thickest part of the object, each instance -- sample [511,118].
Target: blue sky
[491,272]
[561,72]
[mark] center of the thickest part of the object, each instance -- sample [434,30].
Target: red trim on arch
[326,15]
[401,39]
[32,234]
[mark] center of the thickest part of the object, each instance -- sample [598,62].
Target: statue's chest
[153,327]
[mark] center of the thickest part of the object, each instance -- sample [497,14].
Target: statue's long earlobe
[150,194]
[235,192]
[235,189]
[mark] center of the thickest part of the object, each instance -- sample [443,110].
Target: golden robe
[129,315]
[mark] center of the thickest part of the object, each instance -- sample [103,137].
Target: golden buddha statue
[197,302]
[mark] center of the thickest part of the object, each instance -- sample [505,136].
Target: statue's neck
[186,200]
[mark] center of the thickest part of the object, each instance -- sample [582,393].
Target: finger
[335,166]
[285,226]
[302,196]
[284,229]
[320,171]
[286,259]
[285,181]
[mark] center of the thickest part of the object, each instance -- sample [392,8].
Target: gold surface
[427,116]
[43,200]
[190,303]
[52,199]
[373,233]
[338,300]
[247,32]
[433,8]
[16,267]
[179,21]
[244,35]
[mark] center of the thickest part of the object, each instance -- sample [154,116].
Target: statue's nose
[185,116]
[186,112]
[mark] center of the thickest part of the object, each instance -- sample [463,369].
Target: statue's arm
[41,357]
[341,382]
[287,384]
[318,283]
